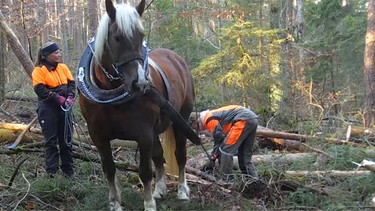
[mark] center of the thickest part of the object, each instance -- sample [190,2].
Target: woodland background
[304,66]
[294,62]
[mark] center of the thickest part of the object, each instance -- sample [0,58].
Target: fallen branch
[15,173]
[19,138]
[316,150]
[8,114]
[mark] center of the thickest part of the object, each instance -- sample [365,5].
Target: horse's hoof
[150,206]
[115,206]
[157,195]
[160,190]
[183,197]
[183,193]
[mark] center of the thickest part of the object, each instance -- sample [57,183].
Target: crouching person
[233,130]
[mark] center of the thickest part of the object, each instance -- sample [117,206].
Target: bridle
[117,64]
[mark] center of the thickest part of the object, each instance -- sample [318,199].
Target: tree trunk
[63,32]
[2,62]
[92,17]
[334,173]
[16,46]
[369,65]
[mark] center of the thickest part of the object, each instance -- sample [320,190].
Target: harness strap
[162,74]
[129,59]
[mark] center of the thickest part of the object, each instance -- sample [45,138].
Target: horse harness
[87,87]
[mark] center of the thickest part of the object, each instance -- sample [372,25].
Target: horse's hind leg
[180,153]
[109,170]
[158,159]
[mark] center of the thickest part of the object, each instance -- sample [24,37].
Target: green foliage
[239,63]
[335,35]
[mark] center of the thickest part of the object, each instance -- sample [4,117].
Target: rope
[68,123]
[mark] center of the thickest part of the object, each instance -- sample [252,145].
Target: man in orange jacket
[233,130]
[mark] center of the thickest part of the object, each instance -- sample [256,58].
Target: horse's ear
[141,7]
[111,10]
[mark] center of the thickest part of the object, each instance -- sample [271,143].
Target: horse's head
[118,45]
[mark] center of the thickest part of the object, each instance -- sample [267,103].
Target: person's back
[233,130]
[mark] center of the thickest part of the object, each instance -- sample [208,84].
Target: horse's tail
[169,147]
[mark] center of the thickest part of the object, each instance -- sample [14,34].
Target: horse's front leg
[158,159]
[183,192]
[145,171]
[109,170]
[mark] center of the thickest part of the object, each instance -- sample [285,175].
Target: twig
[15,173]
[316,150]
[8,114]
[27,192]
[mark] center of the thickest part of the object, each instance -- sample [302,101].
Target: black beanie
[47,50]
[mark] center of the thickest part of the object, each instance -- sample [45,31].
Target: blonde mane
[127,19]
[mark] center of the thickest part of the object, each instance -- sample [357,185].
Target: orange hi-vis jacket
[226,123]
[59,80]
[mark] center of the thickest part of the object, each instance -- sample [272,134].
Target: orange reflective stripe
[212,124]
[235,132]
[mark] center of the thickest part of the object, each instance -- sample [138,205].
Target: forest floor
[276,189]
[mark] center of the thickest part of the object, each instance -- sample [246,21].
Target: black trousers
[57,130]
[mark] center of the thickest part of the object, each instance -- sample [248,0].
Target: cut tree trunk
[303,138]
[9,136]
[357,131]
[279,159]
[326,173]
[19,127]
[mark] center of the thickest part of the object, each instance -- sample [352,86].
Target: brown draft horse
[116,104]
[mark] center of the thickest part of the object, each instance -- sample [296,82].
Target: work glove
[70,101]
[59,99]
[209,166]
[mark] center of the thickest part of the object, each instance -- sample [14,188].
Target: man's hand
[209,166]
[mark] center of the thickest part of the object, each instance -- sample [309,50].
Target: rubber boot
[252,171]
[226,167]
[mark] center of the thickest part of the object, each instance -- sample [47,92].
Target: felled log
[281,135]
[358,131]
[335,173]
[303,138]
[8,136]
[199,160]
[21,127]
[367,164]
[279,158]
